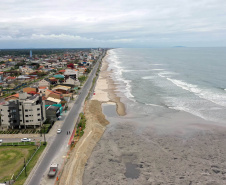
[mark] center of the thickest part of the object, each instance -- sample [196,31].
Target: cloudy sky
[112,23]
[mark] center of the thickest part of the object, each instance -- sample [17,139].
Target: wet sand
[157,154]
[173,147]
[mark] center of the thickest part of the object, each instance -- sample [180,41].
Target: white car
[0,140]
[58,131]
[25,140]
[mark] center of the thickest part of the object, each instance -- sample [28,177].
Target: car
[58,131]
[0,140]
[25,140]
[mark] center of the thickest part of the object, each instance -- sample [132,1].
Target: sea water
[186,79]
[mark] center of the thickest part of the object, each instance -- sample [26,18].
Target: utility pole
[40,130]
[44,135]
[25,168]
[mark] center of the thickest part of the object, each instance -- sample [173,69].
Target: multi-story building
[27,111]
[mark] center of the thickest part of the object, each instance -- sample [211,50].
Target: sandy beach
[95,127]
[174,147]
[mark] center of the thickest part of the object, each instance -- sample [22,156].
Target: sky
[112,23]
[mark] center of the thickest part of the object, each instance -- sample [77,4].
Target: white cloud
[112,21]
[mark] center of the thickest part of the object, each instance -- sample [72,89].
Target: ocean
[163,79]
[174,128]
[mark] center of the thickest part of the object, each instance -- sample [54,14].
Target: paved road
[61,140]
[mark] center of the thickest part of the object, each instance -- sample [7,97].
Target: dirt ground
[95,127]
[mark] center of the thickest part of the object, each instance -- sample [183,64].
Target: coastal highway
[61,140]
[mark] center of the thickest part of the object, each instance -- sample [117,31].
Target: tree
[71,65]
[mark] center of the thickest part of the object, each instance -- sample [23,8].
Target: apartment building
[27,111]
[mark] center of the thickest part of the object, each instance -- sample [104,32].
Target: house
[72,81]
[59,77]
[30,90]
[44,83]
[62,89]
[25,70]
[42,89]
[12,97]
[10,78]
[26,111]
[54,100]
[53,81]
[23,78]
[52,112]
[53,94]
[71,73]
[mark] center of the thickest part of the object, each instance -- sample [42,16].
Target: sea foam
[215,97]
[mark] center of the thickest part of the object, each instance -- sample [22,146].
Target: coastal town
[49,82]
[39,90]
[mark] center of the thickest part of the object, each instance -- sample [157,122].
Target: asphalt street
[61,140]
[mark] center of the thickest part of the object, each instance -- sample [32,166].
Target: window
[20,120]
[39,119]
[19,109]
[26,110]
[38,114]
[27,120]
[2,120]
[26,115]
[38,108]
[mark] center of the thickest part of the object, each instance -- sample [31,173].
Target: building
[62,89]
[30,89]
[72,81]
[52,112]
[27,111]
[44,83]
[71,73]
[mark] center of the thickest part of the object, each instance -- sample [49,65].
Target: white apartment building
[27,111]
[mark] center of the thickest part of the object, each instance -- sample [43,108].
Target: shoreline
[105,89]
[95,126]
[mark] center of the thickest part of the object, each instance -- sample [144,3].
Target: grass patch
[22,178]
[82,79]
[12,161]
[18,144]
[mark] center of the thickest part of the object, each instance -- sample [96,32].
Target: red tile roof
[11,78]
[42,87]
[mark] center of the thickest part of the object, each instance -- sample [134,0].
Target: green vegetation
[82,79]
[39,52]
[22,178]
[18,144]
[12,161]
[81,126]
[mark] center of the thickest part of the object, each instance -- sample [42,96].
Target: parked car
[58,131]
[0,140]
[25,140]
